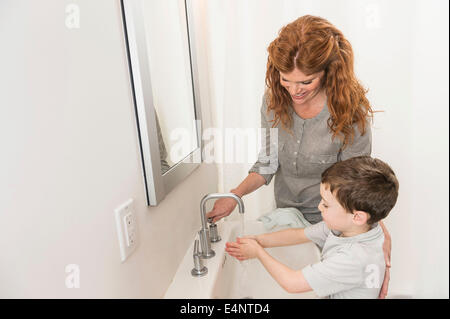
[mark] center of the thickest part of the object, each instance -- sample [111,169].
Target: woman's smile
[299,97]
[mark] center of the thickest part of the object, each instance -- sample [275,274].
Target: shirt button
[295,153]
[293,163]
[298,141]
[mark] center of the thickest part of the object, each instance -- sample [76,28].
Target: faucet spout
[207,252]
[216,196]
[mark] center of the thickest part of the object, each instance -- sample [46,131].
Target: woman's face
[302,88]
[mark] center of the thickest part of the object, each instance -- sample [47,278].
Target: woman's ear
[360,218]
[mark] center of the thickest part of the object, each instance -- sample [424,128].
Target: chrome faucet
[204,234]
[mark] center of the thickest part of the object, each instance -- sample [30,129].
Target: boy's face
[333,214]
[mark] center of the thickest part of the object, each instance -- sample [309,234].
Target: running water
[243,283]
[242,234]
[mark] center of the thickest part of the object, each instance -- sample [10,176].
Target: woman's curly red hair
[312,44]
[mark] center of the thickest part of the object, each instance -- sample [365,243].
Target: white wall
[70,156]
[401,53]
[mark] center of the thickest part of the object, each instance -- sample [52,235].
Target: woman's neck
[312,107]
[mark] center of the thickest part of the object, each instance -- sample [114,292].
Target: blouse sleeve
[362,144]
[267,162]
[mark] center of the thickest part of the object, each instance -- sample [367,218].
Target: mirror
[163,77]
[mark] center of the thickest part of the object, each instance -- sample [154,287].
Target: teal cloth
[290,217]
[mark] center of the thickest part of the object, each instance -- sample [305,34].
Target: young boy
[356,194]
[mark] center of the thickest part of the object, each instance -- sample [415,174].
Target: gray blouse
[297,160]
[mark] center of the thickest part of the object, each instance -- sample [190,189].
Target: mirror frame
[157,185]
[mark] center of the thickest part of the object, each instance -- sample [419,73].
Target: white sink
[230,278]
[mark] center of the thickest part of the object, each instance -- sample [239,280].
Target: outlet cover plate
[126,228]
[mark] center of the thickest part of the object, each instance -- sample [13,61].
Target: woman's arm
[252,182]
[224,206]
[387,244]
[387,258]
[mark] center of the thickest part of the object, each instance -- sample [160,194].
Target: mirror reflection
[171,83]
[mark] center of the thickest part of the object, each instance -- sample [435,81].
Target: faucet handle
[196,250]
[205,243]
[213,233]
[199,269]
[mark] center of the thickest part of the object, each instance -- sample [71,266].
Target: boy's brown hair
[363,183]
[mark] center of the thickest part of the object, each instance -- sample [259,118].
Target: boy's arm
[286,237]
[290,280]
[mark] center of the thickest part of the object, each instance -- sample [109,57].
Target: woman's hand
[387,258]
[222,208]
[243,248]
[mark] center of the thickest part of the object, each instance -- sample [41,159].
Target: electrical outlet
[130,231]
[126,229]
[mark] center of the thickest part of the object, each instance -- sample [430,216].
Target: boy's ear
[360,218]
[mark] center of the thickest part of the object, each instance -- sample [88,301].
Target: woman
[321,112]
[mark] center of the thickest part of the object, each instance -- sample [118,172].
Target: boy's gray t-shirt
[350,267]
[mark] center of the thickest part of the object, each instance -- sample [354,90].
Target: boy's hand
[243,248]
